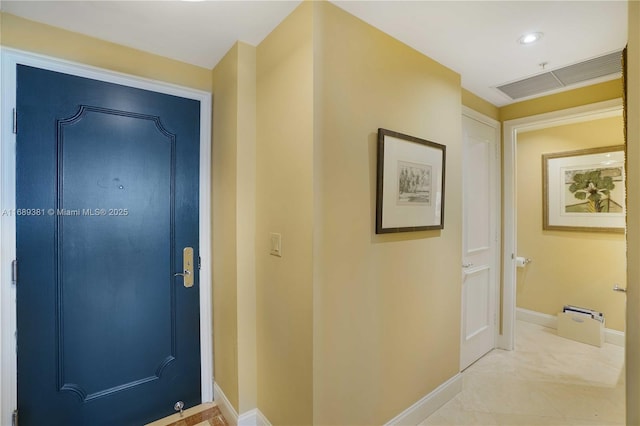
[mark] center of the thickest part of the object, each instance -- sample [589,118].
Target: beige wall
[577,268]
[233,195]
[571,98]
[386,307]
[246,229]
[633,212]
[284,205]
[478,104]
[224,190]
[35,37]
[352,297]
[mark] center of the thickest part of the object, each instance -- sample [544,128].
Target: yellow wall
[224,190]
[35,37]
[284,205]
[246,228]
[633,212]
[386,307]
[478,104]
[577,268]
[233,195]
[571,98]
[341,299]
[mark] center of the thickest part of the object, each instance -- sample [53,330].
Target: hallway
[547,380]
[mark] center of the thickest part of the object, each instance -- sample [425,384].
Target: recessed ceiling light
[529,38]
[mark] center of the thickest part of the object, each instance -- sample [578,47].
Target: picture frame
[410,183]
[584,190]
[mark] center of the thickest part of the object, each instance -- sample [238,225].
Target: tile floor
[547,380]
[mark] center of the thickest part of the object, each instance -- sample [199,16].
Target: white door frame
[470,113]
[511,128]
[10,58]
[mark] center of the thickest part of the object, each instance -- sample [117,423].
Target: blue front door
[107,199]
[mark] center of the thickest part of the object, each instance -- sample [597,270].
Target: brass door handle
[187,265]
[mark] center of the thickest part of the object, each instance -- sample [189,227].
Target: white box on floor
[581,328]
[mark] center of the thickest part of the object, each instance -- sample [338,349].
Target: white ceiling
[477,39]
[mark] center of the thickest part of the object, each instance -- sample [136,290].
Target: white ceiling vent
[573,74]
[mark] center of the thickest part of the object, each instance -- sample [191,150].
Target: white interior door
[481,216]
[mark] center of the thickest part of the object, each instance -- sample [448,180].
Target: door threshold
[207,414]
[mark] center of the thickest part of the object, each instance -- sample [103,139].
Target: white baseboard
[230,414]
[429,404]
[253,418]
[545,320]
[614,337]
[250,418]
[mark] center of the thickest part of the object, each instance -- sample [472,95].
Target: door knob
[187,267]
[620,289]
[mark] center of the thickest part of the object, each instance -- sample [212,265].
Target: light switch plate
[276,244]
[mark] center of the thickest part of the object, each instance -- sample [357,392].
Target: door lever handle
[187,267]
[620,289]
[467,265]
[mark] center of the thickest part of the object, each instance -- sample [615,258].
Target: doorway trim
[610,108]
[10,58]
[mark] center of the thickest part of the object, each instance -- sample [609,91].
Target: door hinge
[14,418]
[199,263]
[14,271]
[15,121]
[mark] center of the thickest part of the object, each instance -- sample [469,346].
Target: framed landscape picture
[410,183]
[584,190]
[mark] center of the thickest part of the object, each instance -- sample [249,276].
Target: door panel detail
[476,291]
[479,197]
[99,173]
